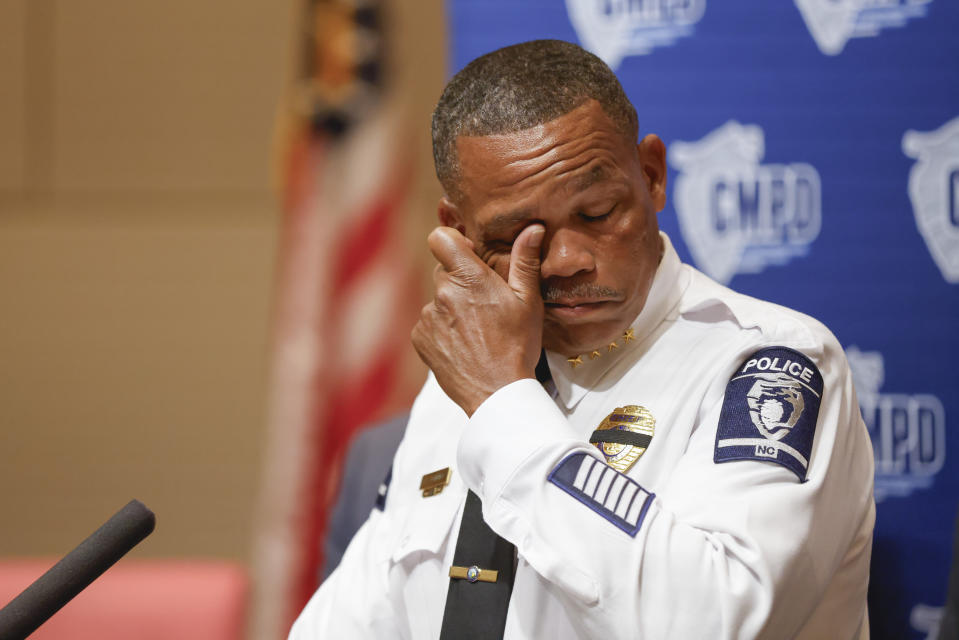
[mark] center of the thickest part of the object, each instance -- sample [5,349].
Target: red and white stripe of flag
[347,294]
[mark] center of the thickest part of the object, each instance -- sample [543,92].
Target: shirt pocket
[427,524]
[419,569]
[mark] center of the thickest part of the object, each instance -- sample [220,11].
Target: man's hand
[481,333]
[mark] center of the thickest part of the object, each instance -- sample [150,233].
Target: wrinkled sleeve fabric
[735,550]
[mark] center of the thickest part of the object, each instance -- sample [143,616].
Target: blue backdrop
[814,161]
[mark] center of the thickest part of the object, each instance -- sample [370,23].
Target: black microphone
[76,571]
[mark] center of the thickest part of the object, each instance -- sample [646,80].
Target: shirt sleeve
[739,549]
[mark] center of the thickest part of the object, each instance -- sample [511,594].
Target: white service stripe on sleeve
[638,501]
[626,499]
[603,488]
[615,492]
[594,477]
[584,468]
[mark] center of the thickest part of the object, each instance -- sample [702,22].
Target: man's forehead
[476,154]
[587,118]
[591,175]
[574,151]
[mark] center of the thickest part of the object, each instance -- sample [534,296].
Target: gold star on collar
[628,336]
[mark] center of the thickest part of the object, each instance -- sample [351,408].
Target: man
[693,463]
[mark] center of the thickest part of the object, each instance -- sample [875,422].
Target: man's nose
[566,254]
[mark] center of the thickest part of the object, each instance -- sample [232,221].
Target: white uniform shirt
[735,548]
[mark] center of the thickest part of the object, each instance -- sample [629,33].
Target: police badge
[624,435]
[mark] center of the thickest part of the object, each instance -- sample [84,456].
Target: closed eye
[495,247]
[591,217]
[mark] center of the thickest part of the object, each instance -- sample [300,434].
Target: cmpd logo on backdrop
[614,29]
[908,430]
[737,215]
[833,23]
[934,192]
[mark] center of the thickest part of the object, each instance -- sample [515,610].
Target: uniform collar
[668,285]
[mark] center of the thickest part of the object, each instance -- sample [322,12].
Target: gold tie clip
[474,573]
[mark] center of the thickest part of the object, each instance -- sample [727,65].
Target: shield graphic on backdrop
[934,192]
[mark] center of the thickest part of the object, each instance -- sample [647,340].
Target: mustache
[585,290]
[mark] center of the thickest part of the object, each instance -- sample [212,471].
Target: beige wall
[137,239]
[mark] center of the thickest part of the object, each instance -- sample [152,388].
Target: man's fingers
[524,263]
[454,251]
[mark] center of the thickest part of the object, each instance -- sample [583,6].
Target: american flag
[347,294]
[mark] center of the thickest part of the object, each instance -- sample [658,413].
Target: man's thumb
[524,263]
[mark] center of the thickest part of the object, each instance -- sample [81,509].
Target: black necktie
[481,578]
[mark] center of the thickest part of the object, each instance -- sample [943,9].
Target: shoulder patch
[770,410]
[606,491]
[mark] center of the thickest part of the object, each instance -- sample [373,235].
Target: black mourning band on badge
[617,436]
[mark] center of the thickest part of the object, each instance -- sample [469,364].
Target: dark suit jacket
[367,461]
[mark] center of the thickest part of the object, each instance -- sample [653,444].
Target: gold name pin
[474,573]
[433,483]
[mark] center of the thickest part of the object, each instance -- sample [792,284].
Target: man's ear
[450,215]
[652,159]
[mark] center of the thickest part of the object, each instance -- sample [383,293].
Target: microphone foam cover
[76,570]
